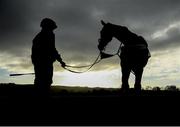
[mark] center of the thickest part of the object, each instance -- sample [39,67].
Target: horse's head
[106,35]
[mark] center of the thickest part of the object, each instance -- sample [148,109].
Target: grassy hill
[87,106]
[28,89]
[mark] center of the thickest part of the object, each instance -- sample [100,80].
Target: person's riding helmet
[47,23]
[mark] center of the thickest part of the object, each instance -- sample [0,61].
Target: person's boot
[137,88]
[125,88]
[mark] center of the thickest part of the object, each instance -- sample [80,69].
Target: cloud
[163,68]
[14,64]
[79,27]
[168,37]
[78,20]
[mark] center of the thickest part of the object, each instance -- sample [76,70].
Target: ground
[85,106]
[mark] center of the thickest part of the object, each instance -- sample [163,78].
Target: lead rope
[90,66]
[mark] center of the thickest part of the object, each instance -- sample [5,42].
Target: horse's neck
[118,33]
[118,36]
[125,36]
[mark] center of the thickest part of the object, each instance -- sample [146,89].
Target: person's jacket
[43,49]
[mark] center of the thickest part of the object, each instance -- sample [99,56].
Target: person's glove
[63,64]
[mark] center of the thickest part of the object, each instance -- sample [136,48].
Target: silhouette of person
[44,54]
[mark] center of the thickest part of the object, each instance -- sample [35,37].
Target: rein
[98,60]
[79,72]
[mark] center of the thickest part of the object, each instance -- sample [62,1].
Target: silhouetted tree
[148,88]
[171,88]
[156,88]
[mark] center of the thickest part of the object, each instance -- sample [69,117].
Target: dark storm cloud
[171,39]
[14,24]
[79,26]
[12,17]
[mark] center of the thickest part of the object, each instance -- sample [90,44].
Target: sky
[158,21]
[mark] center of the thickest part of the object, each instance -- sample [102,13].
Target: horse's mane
[125,34]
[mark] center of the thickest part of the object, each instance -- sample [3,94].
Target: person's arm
[57,55]
[59,58]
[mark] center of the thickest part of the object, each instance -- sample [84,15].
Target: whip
[21,74]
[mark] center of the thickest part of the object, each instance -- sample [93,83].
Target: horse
[134,52]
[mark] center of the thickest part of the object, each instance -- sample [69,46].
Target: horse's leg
[125,77]
[138,77]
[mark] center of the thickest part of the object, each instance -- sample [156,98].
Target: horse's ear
[103,23]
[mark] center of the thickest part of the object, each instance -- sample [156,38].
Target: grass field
[87,106]
[28,90]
